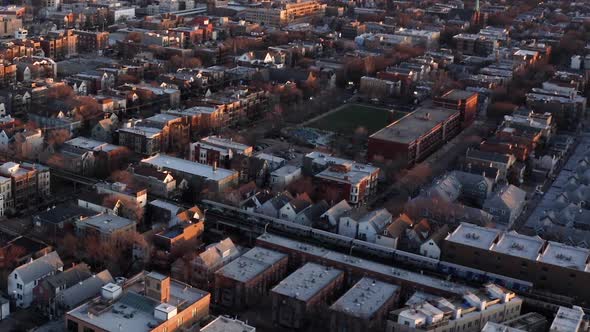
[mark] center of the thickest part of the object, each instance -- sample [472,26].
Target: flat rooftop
[251,264]
[567,319]
[226,324]
[474,236]
[566,256]
[188,167]
[286,170]
[519,245]
[225,142]
[457,94]
[135,312]
[307,281]
[365,298]
[91,144]
[106,223]
[414,125]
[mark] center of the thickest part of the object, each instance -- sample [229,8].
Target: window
[19,286]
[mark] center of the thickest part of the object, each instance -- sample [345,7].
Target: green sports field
[352,116]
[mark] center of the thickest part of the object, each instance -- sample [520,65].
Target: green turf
[350,117]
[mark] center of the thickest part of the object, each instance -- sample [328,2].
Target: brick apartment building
[342,179]
[217,150]
[299,296]
[463,101]
[60,44]
[148,302]
[364,307]
[7,74]
[415,136]
[30,183]
[551,267]
[92,41]
[243,282]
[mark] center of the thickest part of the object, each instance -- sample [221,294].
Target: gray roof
[69,277]
[40,267]
[509,197]
[365,298]
[448,188]
[491,156]
[84,290]
[307,281]
[470,179]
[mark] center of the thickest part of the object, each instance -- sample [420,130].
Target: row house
[30,183]
[60,44]
[199,269]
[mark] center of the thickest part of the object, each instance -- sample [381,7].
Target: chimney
[157,286]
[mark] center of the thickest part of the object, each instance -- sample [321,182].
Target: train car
[416,260]
[331,238]
[291,228]
[374,250]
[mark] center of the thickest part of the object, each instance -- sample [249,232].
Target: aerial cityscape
[294,165]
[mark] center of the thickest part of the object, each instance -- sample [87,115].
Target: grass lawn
[352,116]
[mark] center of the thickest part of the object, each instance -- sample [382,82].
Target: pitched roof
[440,234]
[510,197]
[69,277]
[39,267]
[399,225]
[216,253]
[84,290]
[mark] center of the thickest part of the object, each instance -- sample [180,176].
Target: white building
[5,194]
[569,320]
[25,278]
[576,62]
[4,308]
[282,177]
[468,313]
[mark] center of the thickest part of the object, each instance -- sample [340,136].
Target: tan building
[468,313]
[9,25]
[60,44]
[30,183]
[148,302]
[284,14]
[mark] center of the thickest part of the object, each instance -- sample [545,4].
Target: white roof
[225,142]
[519,245]
[91,144]
[188,167]
[495,327]
[144,131]
[474,236]
[106,223]
[269,157]
[566,256]
[567,320]
[365,298]
[307,281]
[226,324]
[286,170]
